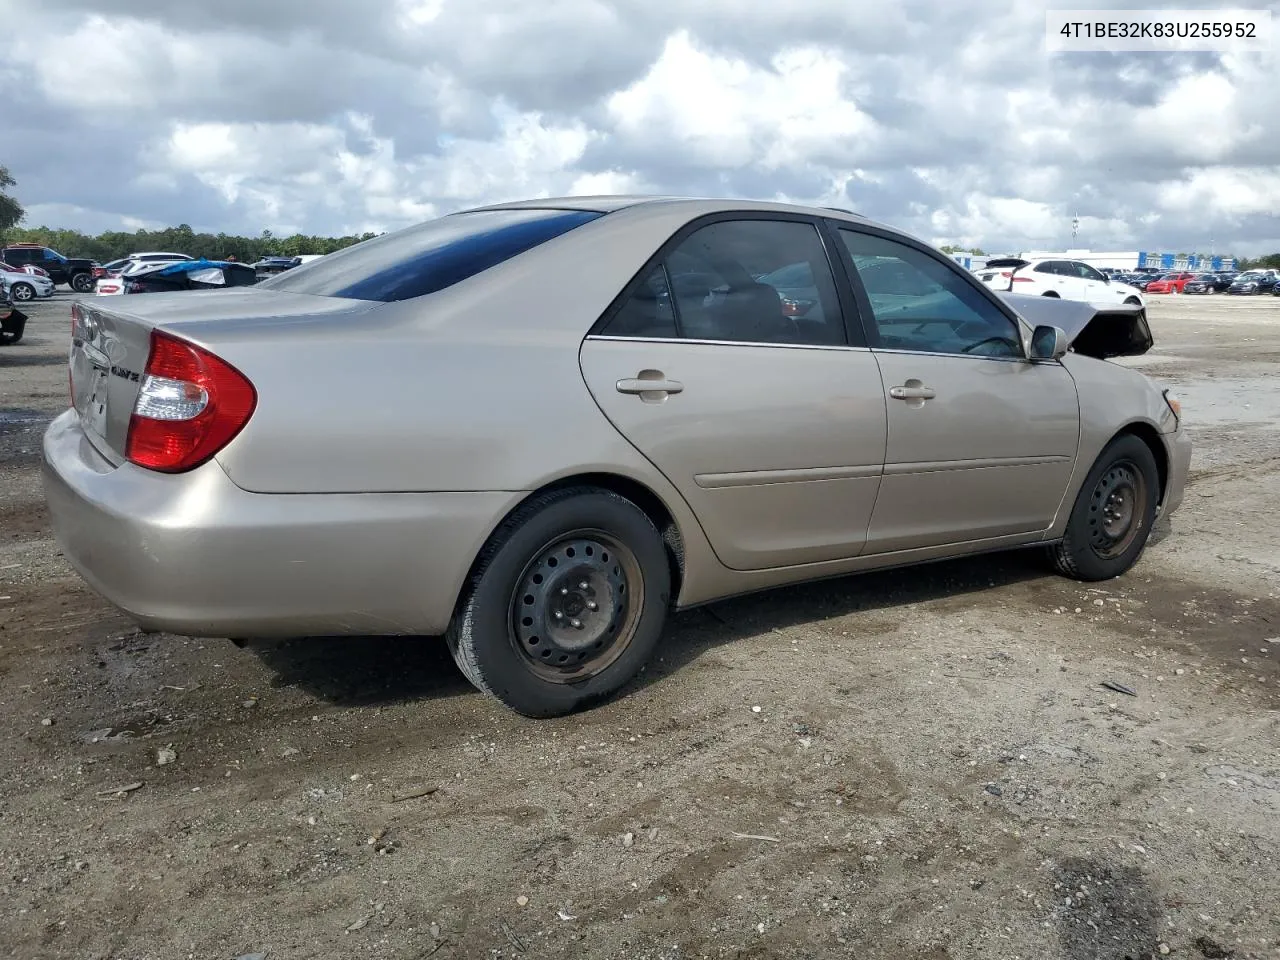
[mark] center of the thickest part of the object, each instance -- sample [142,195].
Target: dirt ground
[919,764]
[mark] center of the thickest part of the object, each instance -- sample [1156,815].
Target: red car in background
[1170,283]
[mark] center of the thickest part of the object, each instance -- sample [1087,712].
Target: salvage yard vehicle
[537,427]
[185,275]
[1064,279]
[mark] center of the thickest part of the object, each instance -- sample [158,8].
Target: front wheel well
[1151,437]
[1051,293]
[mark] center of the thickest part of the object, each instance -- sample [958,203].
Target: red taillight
[1005,273]
[1024,280]
[190,406]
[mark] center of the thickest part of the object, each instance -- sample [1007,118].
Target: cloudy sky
[946,117]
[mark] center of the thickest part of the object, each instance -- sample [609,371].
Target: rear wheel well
[1151,437]
[1051,293]
[637,493]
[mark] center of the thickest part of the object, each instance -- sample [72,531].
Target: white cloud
[949,120]
[727,112]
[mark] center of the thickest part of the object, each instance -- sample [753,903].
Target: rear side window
[747,281]
[429,257]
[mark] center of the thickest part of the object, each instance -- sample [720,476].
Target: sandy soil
[933,771]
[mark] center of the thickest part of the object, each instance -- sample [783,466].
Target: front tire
[1133,302]
[82,282]
[1113,513]
[567,603]
[21,292]
[1051,293]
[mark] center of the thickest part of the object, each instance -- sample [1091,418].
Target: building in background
[1137,259]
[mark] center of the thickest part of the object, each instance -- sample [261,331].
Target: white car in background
[1065,279]
[23,286]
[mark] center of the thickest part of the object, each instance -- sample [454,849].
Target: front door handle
[912,393]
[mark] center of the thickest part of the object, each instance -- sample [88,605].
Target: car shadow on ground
[10,358]
[386,670]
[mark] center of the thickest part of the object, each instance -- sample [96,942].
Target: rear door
[1059,277]
[752,400]
[981,441]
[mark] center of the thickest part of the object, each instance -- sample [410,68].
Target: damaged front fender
[1100,332]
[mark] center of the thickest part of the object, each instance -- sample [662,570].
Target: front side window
[428,257]
[1086,271]
[53,255]
[919,303]
[749,281]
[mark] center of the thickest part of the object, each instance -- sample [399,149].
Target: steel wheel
[576,606]
[1116,507]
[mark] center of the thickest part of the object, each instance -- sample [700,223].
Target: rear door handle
[640,385]
[912,393]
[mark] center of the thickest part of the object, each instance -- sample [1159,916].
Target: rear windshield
[429,257]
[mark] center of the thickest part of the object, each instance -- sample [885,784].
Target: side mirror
[1048,343]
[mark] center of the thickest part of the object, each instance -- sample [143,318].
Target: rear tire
[567,603]
[1113,513]
[1051,293]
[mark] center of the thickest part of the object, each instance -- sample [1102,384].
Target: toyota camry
[535,428]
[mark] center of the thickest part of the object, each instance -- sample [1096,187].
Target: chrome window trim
[731,343]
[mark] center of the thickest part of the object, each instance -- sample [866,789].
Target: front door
[981,441]
[747,395]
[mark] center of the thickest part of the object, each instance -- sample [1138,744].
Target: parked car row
[29,270]
[1077,280]
[1255,282]
[149,272]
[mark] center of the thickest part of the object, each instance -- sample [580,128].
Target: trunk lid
[111,343]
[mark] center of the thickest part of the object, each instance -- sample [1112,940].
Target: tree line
[114,244]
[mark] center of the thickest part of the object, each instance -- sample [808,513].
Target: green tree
[11,212]
[181,239]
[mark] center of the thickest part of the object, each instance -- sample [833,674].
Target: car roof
[611,202]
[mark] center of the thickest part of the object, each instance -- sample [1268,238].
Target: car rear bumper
[194,554]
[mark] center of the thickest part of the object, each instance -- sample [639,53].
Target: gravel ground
[918,764]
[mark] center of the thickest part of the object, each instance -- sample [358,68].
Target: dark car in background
[1254,282]
[75,272]
[1203,283]
[270,266]
[1142,280]
[12,320]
